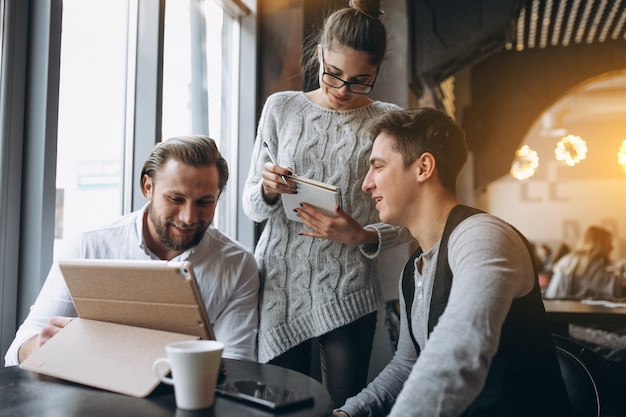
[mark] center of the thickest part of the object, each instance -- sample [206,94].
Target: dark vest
[524,378]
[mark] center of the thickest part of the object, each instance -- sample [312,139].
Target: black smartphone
[263,395]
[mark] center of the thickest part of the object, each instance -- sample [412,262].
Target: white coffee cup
[195,366]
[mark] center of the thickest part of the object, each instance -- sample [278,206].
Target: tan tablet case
[128,311]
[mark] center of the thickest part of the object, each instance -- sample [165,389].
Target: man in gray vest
[473,334]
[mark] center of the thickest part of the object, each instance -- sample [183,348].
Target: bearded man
[183,178]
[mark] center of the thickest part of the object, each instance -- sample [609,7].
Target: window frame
[12,90]
[28,121]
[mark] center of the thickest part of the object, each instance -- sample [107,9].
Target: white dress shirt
[226,273]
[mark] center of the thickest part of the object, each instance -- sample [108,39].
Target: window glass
[92,97]
[198,67]
[192,68]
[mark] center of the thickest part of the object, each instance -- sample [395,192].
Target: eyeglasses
[336,82]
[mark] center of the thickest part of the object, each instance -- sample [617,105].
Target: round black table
[26,394]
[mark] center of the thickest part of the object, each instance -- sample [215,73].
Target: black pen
[267,148]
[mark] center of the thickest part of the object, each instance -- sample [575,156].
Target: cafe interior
[539,86]
[540,89]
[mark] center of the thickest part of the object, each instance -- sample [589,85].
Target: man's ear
[424,166]
[146,186]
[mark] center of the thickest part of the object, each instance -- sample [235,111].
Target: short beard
[161,226]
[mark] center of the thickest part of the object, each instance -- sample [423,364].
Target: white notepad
[324,197]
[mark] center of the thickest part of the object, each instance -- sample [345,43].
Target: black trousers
[344,358]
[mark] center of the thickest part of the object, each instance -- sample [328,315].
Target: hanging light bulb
[621,155]
[571,150]
[525,163]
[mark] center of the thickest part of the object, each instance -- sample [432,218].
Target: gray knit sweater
[312,286]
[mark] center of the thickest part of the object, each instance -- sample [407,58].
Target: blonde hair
[357,27]
[596,243]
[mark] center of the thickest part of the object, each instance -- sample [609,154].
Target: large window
[92,112]
[87,89]
[200,80]
[200,73]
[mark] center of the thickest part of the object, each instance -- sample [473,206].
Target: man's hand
[339,413]
[54,325]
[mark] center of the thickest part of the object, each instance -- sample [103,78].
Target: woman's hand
[343,228]
[275,182]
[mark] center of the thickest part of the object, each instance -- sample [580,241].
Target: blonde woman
[320,277]
[583,273]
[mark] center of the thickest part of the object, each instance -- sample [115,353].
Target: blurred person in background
[587,271]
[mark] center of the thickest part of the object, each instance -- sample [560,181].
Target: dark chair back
[580,384]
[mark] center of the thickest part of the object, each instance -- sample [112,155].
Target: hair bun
[370,8]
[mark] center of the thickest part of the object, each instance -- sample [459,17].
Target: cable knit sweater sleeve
[388,237]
